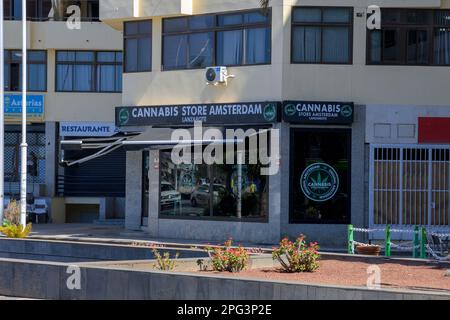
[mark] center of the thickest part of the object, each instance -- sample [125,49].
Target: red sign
[434,130]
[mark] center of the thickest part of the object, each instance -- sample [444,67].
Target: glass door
[320,176]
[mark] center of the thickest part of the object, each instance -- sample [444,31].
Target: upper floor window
[322,35]
[43,10]
[231,39]
[36,71]
[89,71]
[411,37]
[138,46]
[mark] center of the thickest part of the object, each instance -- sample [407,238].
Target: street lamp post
[23,145]
[2,110]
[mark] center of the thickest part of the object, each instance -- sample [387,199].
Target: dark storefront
[320,161]
[197,190]
[312,186]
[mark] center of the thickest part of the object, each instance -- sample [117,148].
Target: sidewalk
[108,234]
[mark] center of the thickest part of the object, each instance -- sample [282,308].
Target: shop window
[89,71]
[411,37]
[225,39]
[322,35]
[320,176]
[138,46]
[218,191]
[36,72]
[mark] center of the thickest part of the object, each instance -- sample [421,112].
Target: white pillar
[23,145]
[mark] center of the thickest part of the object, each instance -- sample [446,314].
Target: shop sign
[309,112]
[243,113]
[87,129]
[319,182]
[13,108]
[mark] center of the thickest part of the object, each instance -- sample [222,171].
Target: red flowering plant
[228,258]
[297,256]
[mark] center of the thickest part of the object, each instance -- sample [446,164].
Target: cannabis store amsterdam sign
[242,113]
[308,112]
[319,182]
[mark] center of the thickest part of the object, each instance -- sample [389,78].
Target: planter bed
[396,274]
[335,269]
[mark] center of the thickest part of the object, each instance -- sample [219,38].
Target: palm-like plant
[264,3]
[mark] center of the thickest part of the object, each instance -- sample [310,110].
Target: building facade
[74,83]
[362,115]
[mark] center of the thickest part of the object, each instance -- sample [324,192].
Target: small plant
[231,259]
[297,256]
[164,262]
[11,226]
[203,266]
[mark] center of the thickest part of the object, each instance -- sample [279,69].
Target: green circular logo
[270,112]
[290,110]
[319,182]
[346,111]
[124,116]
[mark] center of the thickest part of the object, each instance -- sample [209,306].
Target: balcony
[119,9]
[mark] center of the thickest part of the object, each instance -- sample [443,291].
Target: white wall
[281,80]
[52,36]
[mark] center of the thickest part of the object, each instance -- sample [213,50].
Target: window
[320,180]
[218,39]
[36,72]
[138,46]
[411,37]
[41,10]
[322,35]
[201,191]
[89,71]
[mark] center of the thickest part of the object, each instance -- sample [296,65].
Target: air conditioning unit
[217,75]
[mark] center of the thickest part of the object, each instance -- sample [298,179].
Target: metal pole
[423,241]
[240,161]
[23,145]
[350,248]
[416,241]
[2,116]
[387,242]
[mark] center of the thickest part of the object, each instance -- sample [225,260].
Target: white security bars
[409,185]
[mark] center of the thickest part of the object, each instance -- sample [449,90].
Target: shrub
[164,262]
[297,256]
[12,214]
[16,231]
[11,226]
[231,259]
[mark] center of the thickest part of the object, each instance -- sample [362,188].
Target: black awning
[152,138]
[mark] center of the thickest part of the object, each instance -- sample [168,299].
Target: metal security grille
[409,185]
[35,159]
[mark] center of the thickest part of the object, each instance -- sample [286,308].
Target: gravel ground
[394,274]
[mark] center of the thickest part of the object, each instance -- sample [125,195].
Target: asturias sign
[308,112]
[319,182]
[13,107]
[251,112]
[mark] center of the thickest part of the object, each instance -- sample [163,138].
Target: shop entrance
[320,176]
